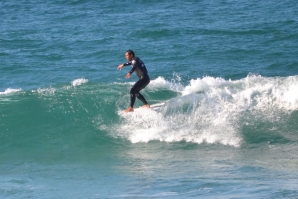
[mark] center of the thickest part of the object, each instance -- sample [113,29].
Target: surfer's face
[128,56]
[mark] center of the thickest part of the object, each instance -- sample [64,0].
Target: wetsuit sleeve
[134,66]
[132,70]
[127,63]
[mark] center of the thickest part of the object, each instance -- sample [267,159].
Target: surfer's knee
[132,91]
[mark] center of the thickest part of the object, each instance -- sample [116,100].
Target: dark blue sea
[227,71]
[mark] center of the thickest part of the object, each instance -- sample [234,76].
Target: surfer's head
[129,55]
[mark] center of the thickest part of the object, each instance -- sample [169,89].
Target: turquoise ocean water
[227,69]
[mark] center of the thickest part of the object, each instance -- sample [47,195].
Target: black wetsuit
[139,67]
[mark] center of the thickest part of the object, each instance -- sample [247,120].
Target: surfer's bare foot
[130,109]
[146,106]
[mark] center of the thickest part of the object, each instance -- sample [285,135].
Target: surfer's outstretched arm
[125,64]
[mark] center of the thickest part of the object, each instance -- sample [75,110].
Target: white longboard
[154,107]
[157,106]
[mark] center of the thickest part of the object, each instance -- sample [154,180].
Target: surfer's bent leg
[132,97]
[135,91]
[141,97]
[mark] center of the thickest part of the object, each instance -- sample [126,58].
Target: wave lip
[78,82]
[161,82]
[10,91]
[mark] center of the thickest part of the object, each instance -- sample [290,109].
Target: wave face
[83,116]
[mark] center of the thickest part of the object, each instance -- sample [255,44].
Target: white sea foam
[9,91]
[78,82]
[161,82]
[211,110]
[46,91]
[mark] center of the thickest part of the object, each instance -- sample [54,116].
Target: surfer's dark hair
[130,52]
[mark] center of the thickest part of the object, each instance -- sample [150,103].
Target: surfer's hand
[120,66]
[127,75]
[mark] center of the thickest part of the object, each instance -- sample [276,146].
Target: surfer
[139,67]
